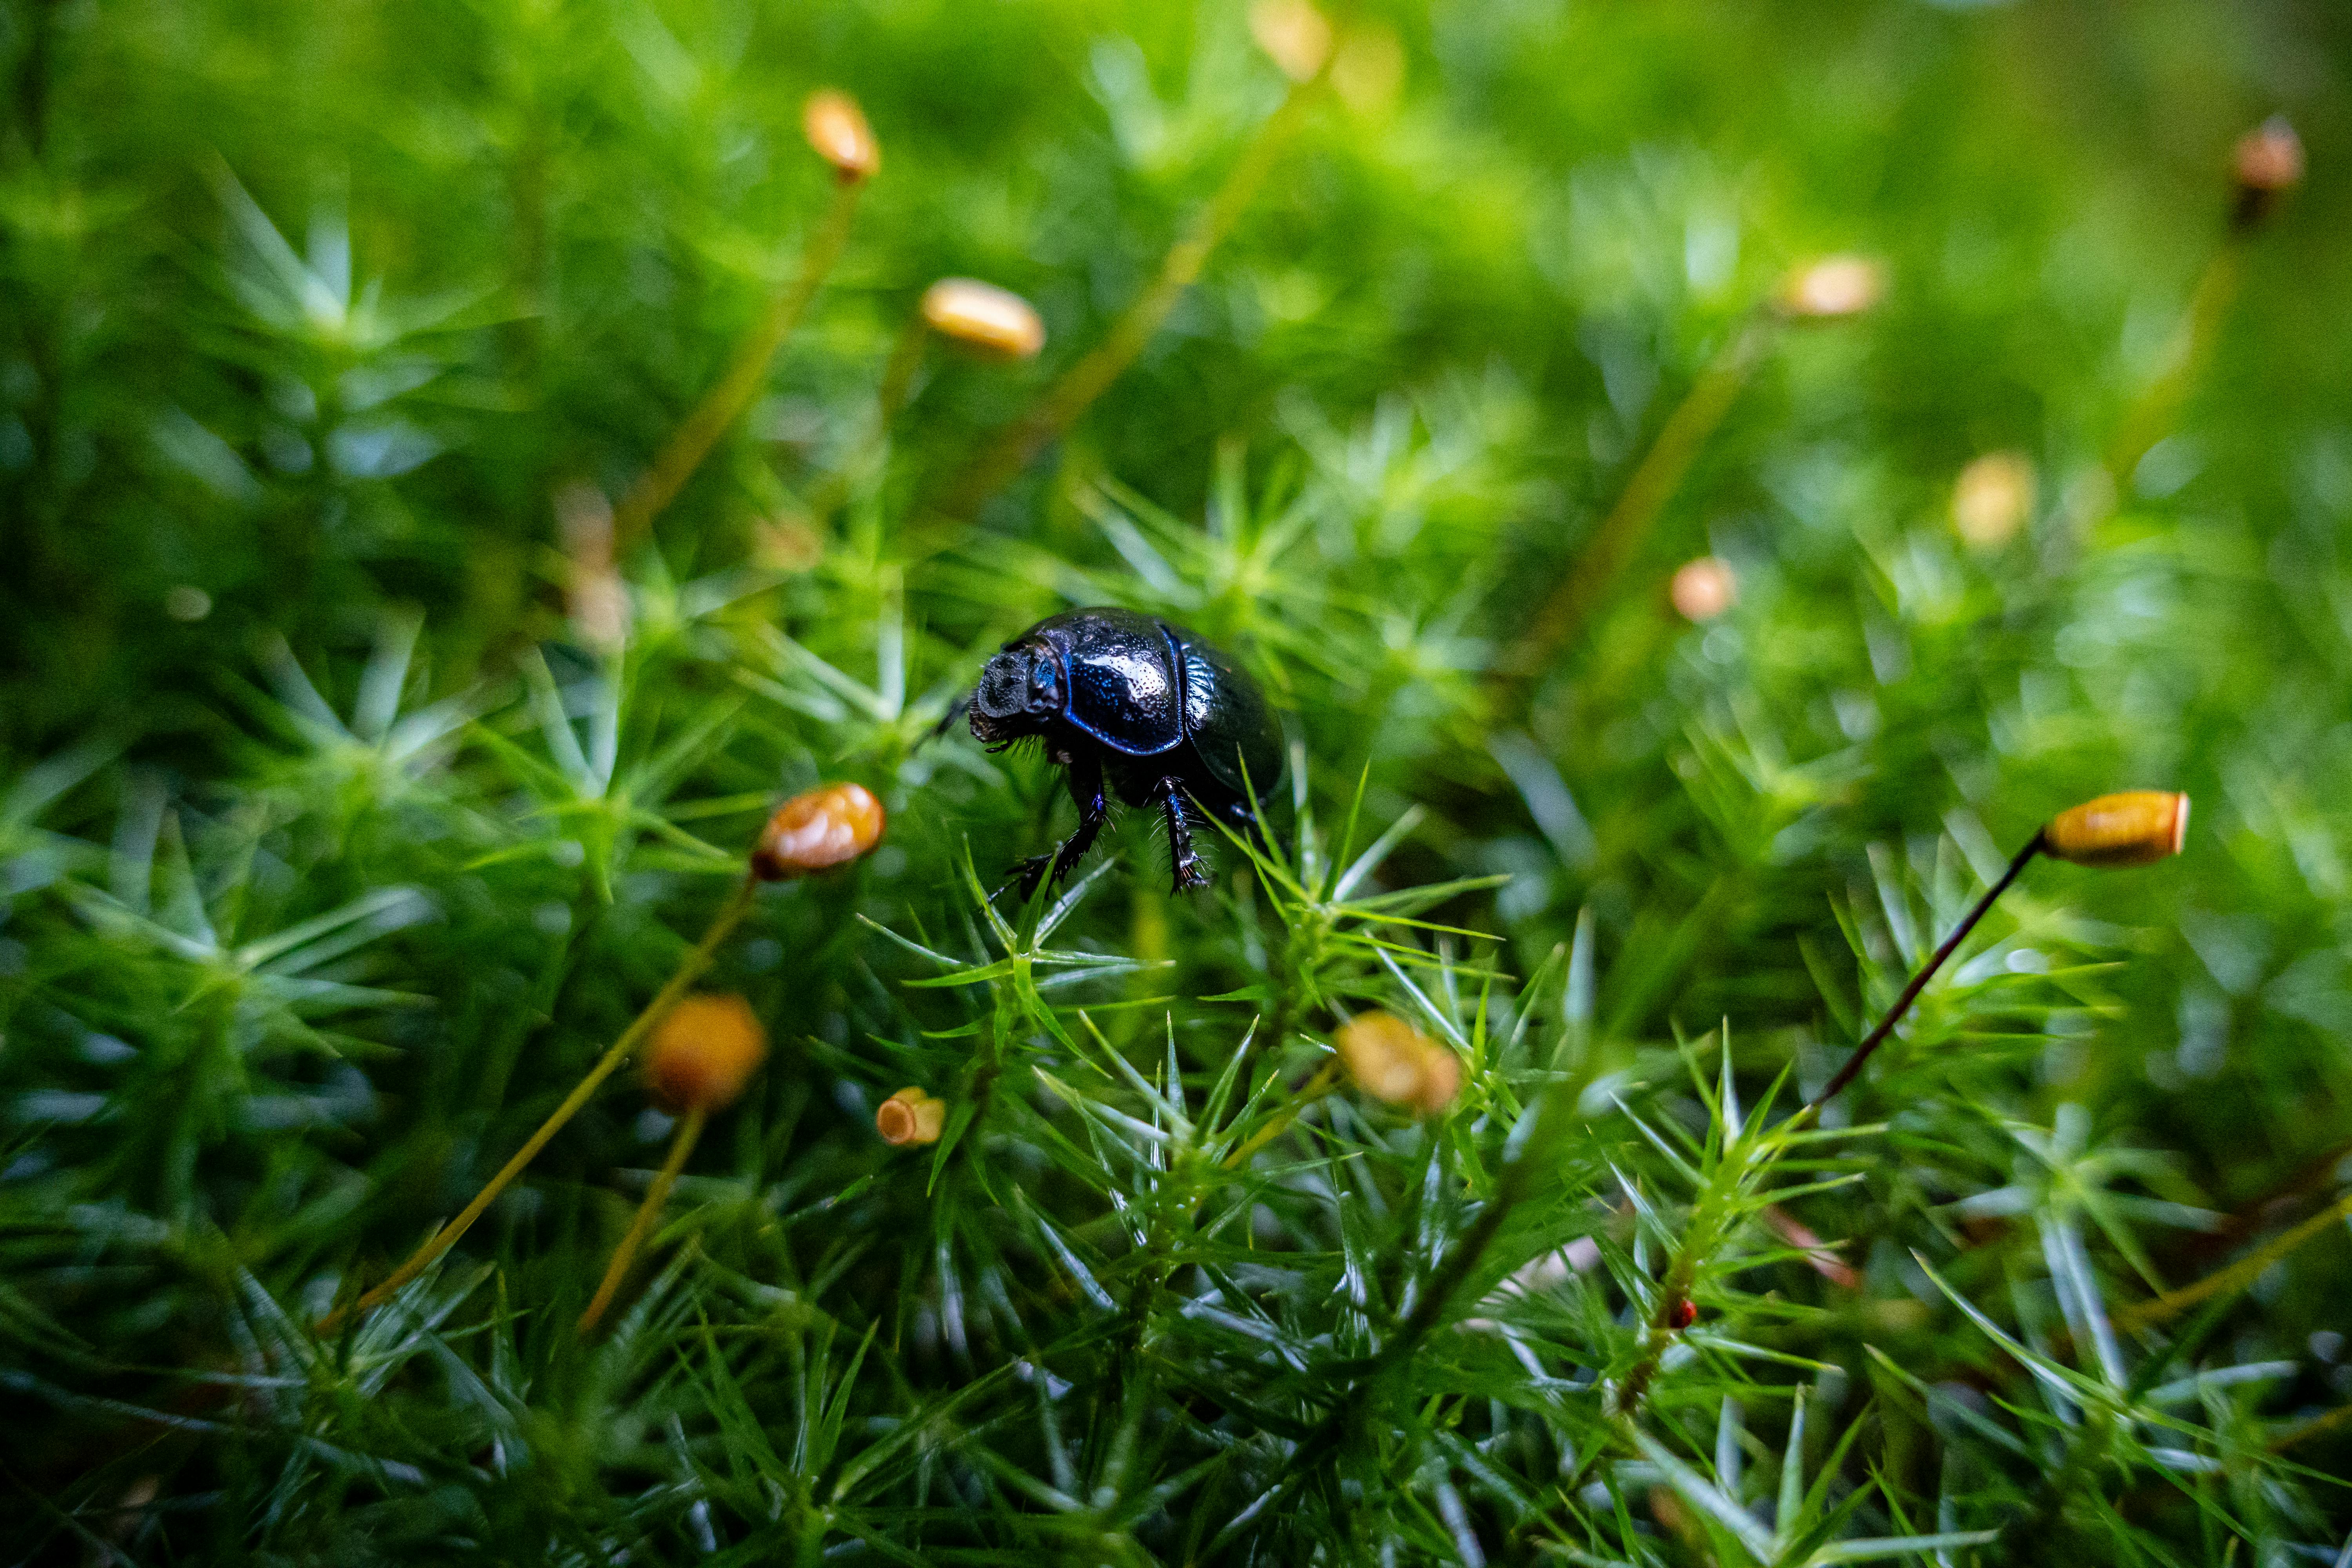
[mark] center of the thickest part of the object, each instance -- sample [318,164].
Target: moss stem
[2158,411]
[1877,1037]
[680,1148]
[2238,1274]
[889,399]
[1003,458]
[688,970]
[731,393]
[1653,483]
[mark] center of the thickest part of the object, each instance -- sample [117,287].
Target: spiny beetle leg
[956,710]
[1028,872]
[1182,861]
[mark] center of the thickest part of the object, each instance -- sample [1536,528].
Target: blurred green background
[309,313]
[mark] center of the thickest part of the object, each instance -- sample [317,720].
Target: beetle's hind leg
[1182,862]
[1087,789]
[1247,823]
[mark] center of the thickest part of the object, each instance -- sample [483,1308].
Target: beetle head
[1020,692]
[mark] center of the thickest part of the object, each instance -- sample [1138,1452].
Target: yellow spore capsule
[1832,288]
[985,317]
[1293,34]
[1392,1061]
[1993,499]
[704,1051]
[835,127]
[910,1116]
[1441,1080]
[2128,829]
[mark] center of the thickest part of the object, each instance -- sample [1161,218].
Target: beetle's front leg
[1181,861]
[956,710]
[1086,790]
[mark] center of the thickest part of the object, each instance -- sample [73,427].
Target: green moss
[340,833]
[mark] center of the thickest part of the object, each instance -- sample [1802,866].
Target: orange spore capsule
[2266,164]
[704,1051]
[2269,157]
[1392,1061]
[818,830]
[2128,829]
[1703,589]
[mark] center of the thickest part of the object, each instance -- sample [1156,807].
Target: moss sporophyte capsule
[1703,589]
[816,830]
[2266,164]
[983,317]
[1833,287]
[910,1116]
[835,127]
[703,1052]
[2128,829]
[1391,1060]
[1293,34]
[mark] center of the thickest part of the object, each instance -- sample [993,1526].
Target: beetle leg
[956,710]
[1028,871]
[1181,861]
[1086,790]
[1252,828]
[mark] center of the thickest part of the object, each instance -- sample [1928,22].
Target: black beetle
[1168,721]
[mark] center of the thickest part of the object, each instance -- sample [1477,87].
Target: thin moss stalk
[617,1273]
[732,393]
[1877,1037]
[998,462]
[689,968]
[890,399]
[2158,411]
[1654,480]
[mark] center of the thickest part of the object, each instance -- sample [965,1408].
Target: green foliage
[343,826]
